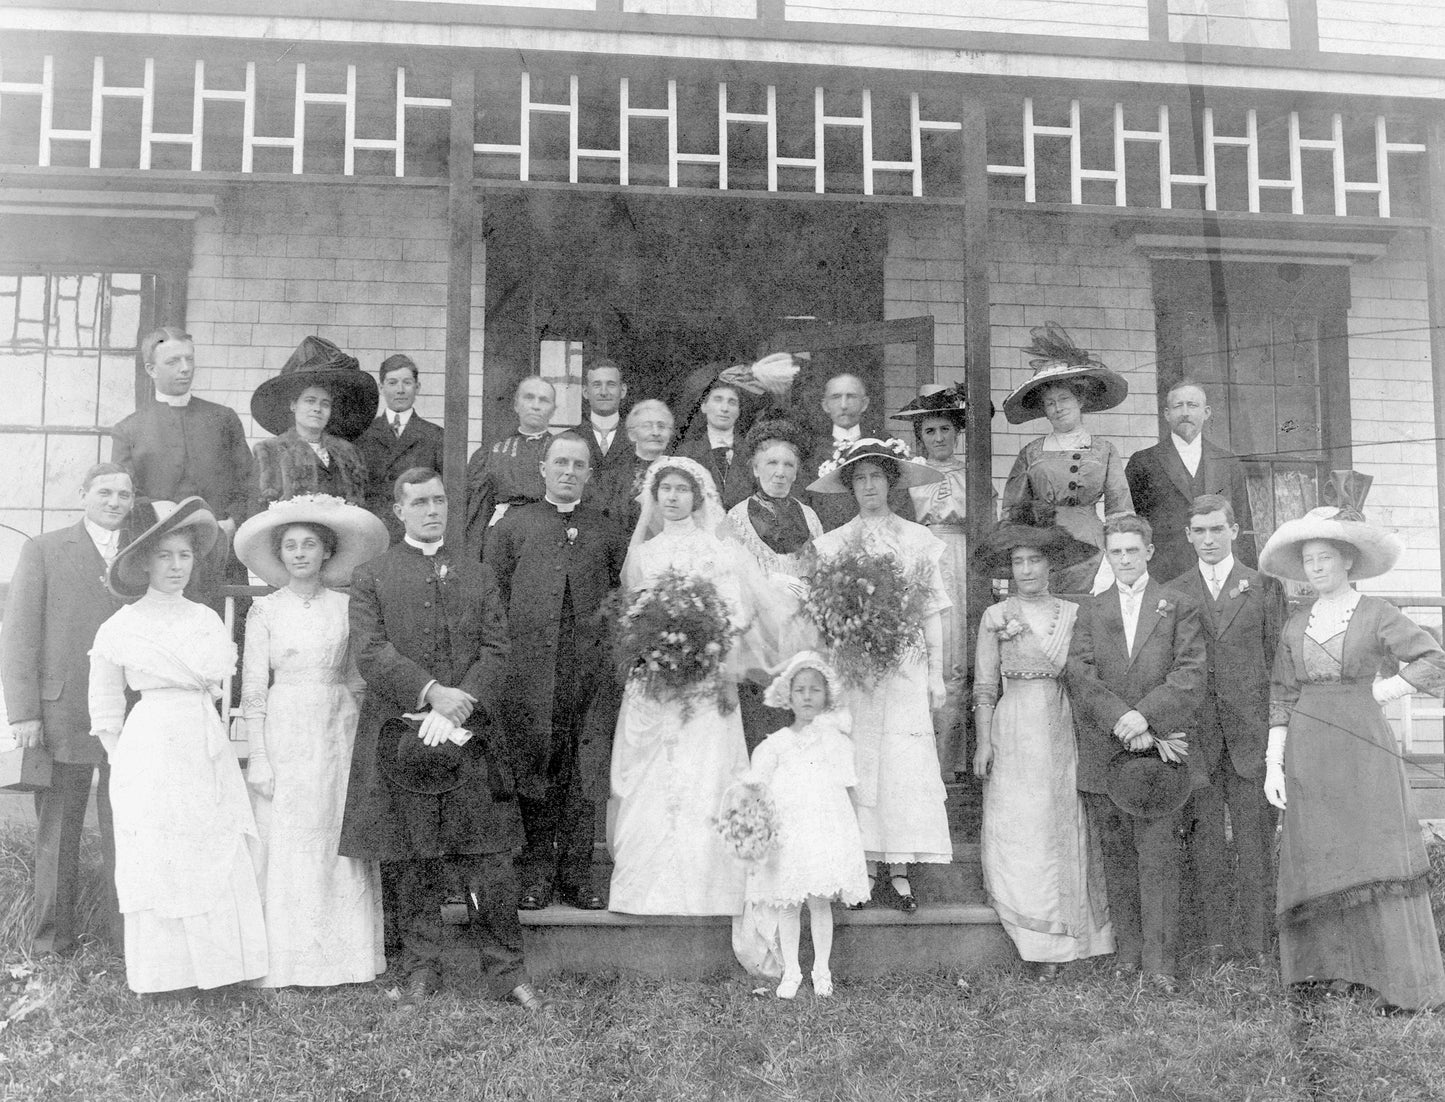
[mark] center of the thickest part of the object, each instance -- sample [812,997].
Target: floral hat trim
[780,688]
[863,448]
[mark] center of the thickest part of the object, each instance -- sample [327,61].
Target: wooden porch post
[461,217]
[1435,274]
[978,363]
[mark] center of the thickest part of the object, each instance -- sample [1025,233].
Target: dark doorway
[664,284]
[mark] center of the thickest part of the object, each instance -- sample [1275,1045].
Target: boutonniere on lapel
[1165,607]
[442,571]
[1240,590]
[571,536]
[1011,628]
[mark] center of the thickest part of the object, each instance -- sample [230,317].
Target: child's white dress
[820,851]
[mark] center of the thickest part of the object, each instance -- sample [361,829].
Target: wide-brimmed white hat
[832,478]
[360,537]
[1376,549]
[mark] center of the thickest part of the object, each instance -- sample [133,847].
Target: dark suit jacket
[198,449]
[614,493]
[1162,491]
[1241,633]
[1163,678]
[57,602]
[621,447]
[534,565]
[739,483]
[409,627]
[387,456]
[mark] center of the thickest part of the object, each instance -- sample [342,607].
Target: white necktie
[1215,582]
[396,424]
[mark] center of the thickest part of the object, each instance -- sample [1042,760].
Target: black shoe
[420,985]
[584,899]
[535,898]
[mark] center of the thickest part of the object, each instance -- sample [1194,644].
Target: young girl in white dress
[808,769]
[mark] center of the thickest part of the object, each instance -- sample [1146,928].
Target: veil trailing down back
[672,759]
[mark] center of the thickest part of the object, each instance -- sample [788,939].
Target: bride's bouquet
[671,639]
[869,610]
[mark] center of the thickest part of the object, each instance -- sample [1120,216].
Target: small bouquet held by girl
[671,638]
[868,609]
[798,783]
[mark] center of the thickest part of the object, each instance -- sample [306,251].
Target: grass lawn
[74,1031]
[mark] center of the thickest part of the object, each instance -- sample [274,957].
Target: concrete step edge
[935,914]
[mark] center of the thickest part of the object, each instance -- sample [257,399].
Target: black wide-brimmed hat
[129,574]
[318,362]
[1029,524]
[1145,785]
[1376,549]
[417,767]
[1056,360]
[833,478]
[937,400]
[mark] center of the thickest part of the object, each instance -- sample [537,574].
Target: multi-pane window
[68,350]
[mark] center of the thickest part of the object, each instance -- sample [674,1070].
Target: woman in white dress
[299,697]
[1040,870]
[185,840]
[900,790]
[670,767]
[937,417]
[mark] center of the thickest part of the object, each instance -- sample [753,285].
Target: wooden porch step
[953,937]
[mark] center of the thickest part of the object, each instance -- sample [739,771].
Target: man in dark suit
[1244,612]
[845,400]
[603,427]
[719,450]
[179,445]
[397,440]
[428,631]
[57,602]
[1135,671]
[555,561]
[509,472]
[1166,478]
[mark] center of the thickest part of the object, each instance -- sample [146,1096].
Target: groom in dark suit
[1244,612]
[1166,478]
[719,448]
[1135,671]
[429,633]
[397,440]
[555,561]
[57,602]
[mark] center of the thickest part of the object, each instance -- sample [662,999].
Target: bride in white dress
[669,771]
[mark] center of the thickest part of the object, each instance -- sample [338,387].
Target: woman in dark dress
[319,403]
[1353,904]
[1070,469]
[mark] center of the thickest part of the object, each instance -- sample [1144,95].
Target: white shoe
[789,987]
[822,982]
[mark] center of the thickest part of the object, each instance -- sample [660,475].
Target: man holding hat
[397,440]
[436,798]
[1136,671]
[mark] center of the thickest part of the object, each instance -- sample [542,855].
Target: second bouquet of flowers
[869,610]
[671,639]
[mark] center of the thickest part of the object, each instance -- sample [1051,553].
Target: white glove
[1274,785]
[1274,767]
[1391,688]
[435,729]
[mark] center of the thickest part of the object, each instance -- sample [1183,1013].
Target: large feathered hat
[318,362]
[1056,359]
[1029,524]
